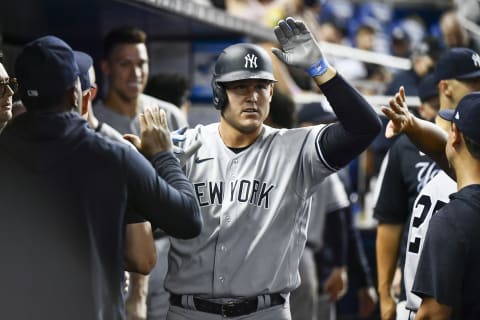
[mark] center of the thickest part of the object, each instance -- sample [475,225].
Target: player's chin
[5,115]
[250,126]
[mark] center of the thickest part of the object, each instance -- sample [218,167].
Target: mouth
[134,84]
[6,107]
[250,111]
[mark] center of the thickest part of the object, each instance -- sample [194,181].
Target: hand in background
[367,300]
[336,284]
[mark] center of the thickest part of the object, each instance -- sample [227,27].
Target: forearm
[140,253]
[387,247]
[136,302]
[357,127]
[357,259]
[181,199]
[430,139]
[352,110]
[336,236]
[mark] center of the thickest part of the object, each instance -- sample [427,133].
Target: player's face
[6,98]
[248,104]
[127,70]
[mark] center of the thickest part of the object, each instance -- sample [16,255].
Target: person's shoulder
[104,146]
[201,129]
[148,100]
[172,111]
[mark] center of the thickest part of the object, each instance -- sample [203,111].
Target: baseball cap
[466,116]
[399,34]
[46,67]
[84,62]
[427,88]
[458,63]
[429,46]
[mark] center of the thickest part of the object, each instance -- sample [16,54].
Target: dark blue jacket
[64,194]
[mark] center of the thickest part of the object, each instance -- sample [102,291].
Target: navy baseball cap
[427,88]
[46,67]
[466,116]
[458,63]
[84,62]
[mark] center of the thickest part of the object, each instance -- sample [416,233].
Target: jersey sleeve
[392,200]
[441,266]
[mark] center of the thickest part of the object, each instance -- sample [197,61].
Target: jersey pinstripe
[431,198]
[255,210]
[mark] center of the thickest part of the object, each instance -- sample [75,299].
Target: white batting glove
[184,154]
[178,135]
[300,49]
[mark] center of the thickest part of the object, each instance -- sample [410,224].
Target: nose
[252,93]
[138,72]
[8,91]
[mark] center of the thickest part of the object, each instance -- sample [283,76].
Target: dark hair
[282,110]
[123,35]
[472,147]
[173,87]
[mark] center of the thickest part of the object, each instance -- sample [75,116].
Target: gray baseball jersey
[329,196]
[433,196]
[255,209]
[124,124]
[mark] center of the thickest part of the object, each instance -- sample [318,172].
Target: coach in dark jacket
[65,191]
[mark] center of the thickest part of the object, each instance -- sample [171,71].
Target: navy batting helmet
[239,62]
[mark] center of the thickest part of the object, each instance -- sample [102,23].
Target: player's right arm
[426,136]
[343,141]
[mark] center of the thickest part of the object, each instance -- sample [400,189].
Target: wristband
[318,68]
[99,127]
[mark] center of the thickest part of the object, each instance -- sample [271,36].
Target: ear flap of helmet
[219,95]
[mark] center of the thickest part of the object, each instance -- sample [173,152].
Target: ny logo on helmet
[251,61]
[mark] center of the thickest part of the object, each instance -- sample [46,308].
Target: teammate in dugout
[253,183]
[457,74]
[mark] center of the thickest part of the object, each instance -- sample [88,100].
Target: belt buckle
[227,309]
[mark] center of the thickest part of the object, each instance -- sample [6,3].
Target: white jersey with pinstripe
[431,198]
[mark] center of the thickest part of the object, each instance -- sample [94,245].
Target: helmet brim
[244,75]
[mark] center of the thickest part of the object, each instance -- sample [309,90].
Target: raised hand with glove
[300,49]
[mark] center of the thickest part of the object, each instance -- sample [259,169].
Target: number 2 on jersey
[426,202]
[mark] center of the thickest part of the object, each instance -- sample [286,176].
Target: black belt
[228,309]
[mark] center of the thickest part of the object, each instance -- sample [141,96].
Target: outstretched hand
[299,47]
[155,136]
[400,118]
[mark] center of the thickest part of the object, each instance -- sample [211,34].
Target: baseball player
[253,183]
[404,172]
[457,74]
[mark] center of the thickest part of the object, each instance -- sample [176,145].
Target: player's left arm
[358,123]
[432,309]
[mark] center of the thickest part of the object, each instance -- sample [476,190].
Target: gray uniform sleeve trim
[319,149]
